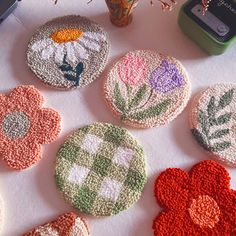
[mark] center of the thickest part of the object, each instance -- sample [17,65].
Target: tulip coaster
[196,203]
[68,224]
[68,52]
[146,89]
[100,169]
[25,125]
[213,121]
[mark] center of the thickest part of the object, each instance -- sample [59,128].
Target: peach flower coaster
[24,125]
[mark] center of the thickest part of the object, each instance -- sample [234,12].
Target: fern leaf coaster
[146,89]
[68,52]
[213,121]
[100,169]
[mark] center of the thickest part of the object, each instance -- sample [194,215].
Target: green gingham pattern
[100,169]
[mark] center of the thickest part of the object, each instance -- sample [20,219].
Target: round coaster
[67,224]
[196,203]
[24,126]
[146,89]
[68,52]
[213,121]
[100,169]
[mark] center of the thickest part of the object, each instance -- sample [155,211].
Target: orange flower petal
[171,188]
[20,155]
[166,224]
[2,104]
[209,178]
[47,127]
[27,97]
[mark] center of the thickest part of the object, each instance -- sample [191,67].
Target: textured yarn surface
[68,224]
[198,203]
[146,89]
[100,169]
[24,125]
[68,52]
[213,121]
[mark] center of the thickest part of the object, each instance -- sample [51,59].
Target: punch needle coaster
[196,203]
[68,52]
[146,89]
[100,169]
[213,122]
[68,224]
[24,125]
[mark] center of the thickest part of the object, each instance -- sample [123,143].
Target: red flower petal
[171,189]
[27,97]
[47,127]
[209,178]
[20,155]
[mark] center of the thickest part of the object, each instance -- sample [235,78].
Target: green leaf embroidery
[202,118]
[219,133]
[226,99]
[223,119]
[153,111]
[221,146]
[119,101]
[211,108]
[70,77]
[209,119]
[138,96]
[200,139]
[70,73]
[79,69]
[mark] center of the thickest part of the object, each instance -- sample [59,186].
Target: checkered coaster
[100,169]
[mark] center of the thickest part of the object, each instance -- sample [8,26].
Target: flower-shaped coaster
[100,169]
[68,224]
[196,203]
[68,52]
[24,125]
[213,121]
[146,89]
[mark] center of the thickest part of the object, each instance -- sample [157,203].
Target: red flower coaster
[24,125]
[68,224]
[200,203]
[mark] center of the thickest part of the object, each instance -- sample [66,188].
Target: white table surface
[30,197]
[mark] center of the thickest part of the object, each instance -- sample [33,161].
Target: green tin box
[213,31]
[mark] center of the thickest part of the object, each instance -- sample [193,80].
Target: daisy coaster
[146,89]
[68,224]
[100,169]
[24,126]
[213,121]
[68,52]
[196,203]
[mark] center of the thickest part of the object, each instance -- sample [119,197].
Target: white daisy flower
[73,43]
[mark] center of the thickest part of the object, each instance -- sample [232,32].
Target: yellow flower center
[66,35]
[204,211]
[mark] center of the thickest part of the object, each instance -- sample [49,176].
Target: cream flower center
[66,35]
[16,125]
[204,211]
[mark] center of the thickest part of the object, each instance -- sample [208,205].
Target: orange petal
[209,178]
[27,97]
[47,127]
[171,188]
[20,155]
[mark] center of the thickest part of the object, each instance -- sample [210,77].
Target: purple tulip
[166,77]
